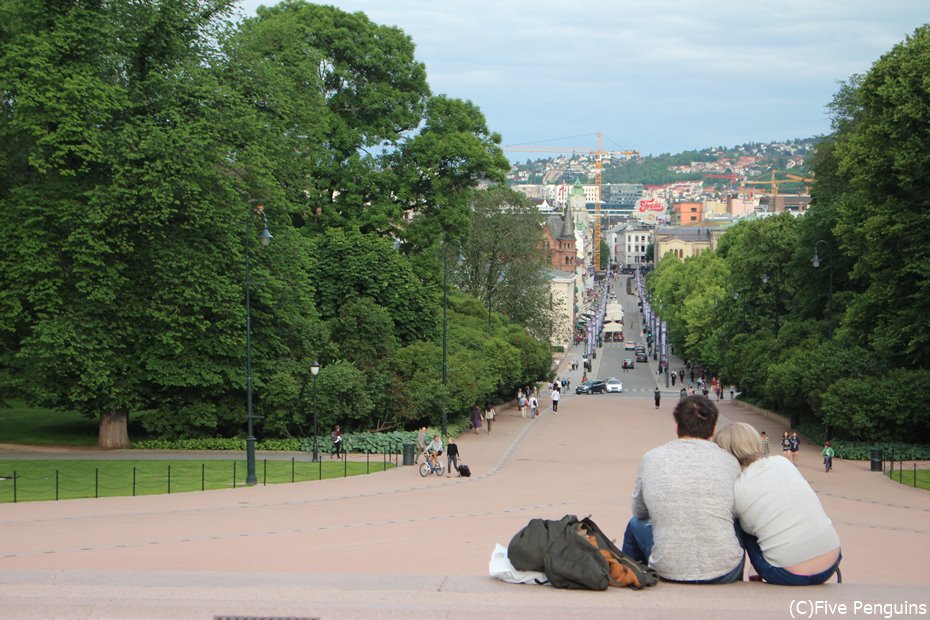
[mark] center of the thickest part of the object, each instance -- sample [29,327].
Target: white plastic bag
[500,568]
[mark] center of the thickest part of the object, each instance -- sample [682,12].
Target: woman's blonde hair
[742,441]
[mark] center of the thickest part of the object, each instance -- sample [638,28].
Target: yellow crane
[774,182]
[599,155]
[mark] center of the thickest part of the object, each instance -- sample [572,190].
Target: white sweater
[776,504]
[685,489]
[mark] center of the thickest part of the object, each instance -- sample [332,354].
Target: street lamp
[265,237]
[815,261]
[315,370]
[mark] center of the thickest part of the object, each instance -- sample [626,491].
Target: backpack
[576,555]
[465,471]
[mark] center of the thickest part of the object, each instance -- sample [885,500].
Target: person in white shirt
[785,531]
[434,450]
[556,395]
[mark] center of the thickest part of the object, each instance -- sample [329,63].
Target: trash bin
[876,459]
[408,453]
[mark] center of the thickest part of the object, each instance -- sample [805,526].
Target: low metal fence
[912,473]
[19,482]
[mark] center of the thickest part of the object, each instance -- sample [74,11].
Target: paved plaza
[395,545]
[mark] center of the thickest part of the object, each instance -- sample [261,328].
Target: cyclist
[434,451]
[827,454]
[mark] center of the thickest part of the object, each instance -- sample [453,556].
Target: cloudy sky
[652,75]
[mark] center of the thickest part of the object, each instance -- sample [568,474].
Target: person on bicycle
[827,454]
[434,451]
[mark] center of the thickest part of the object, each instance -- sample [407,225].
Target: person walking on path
[682,505]
[489,415]
[785,445]
[765,443]
[658,396]
[556,396]
[521,403]
[476,418]
[336,438]
[452,457]
[421,444]
[682,393]
[534,407]
[794,445]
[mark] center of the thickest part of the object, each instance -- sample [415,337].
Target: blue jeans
[777,575]
[638,543]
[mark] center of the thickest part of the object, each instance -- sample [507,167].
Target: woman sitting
[788,536]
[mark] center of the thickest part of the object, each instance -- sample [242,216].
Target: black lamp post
[815,261]
[445,305]
[315,370]
[265,237]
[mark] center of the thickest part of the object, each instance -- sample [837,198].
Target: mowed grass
[906,477]
[57,480]
[45,427]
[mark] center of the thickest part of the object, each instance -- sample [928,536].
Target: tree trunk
[114,429]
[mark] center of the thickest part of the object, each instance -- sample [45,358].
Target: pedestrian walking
[489,415]
[785,445]
[556,396]
[534,407]
[658,396]
[794,445]
[521,404]
[421,443]
[476,418]
[682,393]
[765,443]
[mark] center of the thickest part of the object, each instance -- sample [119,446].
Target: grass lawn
[51,480]
[47,427]
[907,477]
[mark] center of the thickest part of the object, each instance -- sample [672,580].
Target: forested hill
[746,160]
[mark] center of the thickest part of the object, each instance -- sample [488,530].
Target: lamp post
[265,237]
[815,261]
[315,370]
[445,306]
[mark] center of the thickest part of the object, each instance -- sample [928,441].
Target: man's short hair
[696,416]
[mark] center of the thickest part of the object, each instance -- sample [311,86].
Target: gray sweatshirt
[685,489]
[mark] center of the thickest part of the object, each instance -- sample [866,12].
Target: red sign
[651,204]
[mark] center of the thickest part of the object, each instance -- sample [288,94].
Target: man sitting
[682,521]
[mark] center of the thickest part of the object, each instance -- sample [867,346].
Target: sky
[655,76]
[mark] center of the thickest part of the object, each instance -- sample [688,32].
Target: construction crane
[773,183]
[599,154]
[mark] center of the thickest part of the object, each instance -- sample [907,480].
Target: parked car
[640,348]
[614,385]
[641,356]
[628,364]
[594,386]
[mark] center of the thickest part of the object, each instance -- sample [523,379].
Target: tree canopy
[143,146]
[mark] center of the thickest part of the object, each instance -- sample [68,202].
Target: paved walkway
[395,545]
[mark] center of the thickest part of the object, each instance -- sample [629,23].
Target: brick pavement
[395,545]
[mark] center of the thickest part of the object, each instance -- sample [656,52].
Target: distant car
[630,345]
[641,356]
[595,386]
[614,385]
[640,348]
[628,364]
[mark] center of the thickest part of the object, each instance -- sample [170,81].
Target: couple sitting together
[697,505]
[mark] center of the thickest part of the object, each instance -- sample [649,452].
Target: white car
[630,345]
[614,385]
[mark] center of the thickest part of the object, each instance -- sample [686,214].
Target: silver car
[614,385]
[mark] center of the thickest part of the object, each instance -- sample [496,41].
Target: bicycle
[426,468]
